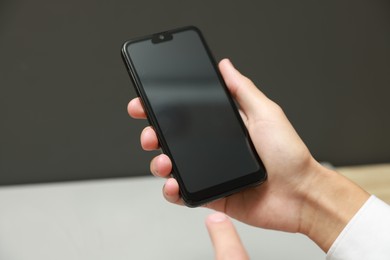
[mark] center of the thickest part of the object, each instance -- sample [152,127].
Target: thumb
[226,242]
[242,89]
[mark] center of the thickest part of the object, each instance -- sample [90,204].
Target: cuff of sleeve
[366,236]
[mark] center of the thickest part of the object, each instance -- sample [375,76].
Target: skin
[225,239]
[300,195]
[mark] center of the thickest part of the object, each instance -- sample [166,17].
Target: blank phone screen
[194,115]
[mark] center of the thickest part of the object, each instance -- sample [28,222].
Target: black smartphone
[196,120]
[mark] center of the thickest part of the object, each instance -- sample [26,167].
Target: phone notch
[161,37]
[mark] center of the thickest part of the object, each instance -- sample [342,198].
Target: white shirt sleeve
[366,236]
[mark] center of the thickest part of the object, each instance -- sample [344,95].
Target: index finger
[135,109]
[226,242]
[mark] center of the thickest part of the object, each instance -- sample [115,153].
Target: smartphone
[196,120]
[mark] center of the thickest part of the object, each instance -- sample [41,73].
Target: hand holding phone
[298,187]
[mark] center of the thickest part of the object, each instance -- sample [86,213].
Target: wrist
[330,201]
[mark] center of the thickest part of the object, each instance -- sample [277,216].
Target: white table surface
[120,219]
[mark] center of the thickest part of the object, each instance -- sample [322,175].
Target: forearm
[330,203]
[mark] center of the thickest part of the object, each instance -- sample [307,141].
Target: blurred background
[64,88]
[63,96]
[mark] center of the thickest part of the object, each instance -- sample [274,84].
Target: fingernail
[164,190]
[154,171]
[167,183]
[217,217]
[229,61]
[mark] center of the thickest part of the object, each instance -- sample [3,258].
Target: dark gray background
[64,89]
